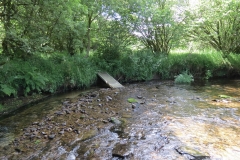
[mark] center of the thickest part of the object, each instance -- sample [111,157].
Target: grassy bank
[58,72]
[42,74]
[143,65]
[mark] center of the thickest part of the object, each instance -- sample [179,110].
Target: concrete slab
[109,80]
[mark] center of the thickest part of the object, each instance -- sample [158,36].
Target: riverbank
[12,104]
[45,75]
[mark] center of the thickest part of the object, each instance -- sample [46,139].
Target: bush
[142,67]
[184,77]
[138,66]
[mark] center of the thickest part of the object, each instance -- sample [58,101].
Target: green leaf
[132,100]
[8,90]
[224,96]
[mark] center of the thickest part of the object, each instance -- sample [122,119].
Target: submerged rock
[193,153]
[139,97]
[115,120]
[51,136]
[122,151]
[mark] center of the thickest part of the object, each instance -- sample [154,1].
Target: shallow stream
[168,121]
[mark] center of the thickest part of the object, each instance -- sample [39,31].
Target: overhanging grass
[60,71]
[200,64]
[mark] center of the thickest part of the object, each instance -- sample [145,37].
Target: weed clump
[184,78]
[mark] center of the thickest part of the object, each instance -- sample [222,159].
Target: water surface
[169,122]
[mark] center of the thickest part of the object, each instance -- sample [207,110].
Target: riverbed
[166,121]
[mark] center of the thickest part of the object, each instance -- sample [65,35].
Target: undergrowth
[40,74]
[184,77]
[60,72]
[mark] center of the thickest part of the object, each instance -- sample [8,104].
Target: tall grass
[60,72]
[203,64]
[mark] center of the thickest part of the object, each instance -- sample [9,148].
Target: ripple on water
[208,136]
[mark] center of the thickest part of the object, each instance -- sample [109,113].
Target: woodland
[50,46]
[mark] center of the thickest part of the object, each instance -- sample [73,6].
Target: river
[167,121]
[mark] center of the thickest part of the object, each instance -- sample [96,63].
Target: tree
[113,39]
[217,24]
[155,22]
[42,26]
[94,10]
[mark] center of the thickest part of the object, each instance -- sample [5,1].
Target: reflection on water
[201,123]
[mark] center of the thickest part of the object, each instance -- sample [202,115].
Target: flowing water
[167,122]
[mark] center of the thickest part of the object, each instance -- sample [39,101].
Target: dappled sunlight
[164,122]
[217,140]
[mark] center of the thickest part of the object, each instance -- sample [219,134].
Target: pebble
[139,97]
[51,136]
[44,133]
[134,105]
[105,121]
[109,98]
[77,131]
[69,129]
[35,123]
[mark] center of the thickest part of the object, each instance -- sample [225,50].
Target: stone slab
[109,80]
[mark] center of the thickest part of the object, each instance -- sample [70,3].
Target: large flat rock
[109,80]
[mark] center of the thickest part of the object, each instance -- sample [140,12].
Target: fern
[6,90]
[32,81]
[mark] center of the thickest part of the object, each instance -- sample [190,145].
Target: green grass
[58,72]
[201,64]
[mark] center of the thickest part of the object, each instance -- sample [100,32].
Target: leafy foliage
[44,42]
[6,90]
[217,24]
[51,74]
[184,77]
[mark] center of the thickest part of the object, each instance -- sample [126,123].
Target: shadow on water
[168,122]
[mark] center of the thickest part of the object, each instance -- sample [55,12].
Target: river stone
[104,121]
[94,94]
[184,150]
[109,98]
[139,97]
[134,105]
[114,120]
[35,123]
[65,102]
[51,136]
[122,151]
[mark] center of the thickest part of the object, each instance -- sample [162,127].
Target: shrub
[184,77]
